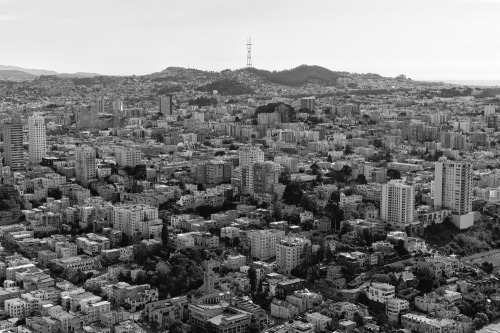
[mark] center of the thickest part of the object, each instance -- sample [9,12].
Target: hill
[300,75]
[227,87]
[38,72]
[13,75]
[77,75]
[27,70]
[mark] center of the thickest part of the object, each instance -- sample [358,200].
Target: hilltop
[300,75]
[14,75]
[20,74]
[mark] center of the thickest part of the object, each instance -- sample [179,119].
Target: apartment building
[453,190]
[398,201]
[290,253]
[264,243]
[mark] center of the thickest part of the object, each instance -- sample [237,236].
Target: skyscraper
[453,190]
[249,155]
[398,201]
[265,176]
[165,102]
[13,148]
[37,138]
[99,105]
[85,162]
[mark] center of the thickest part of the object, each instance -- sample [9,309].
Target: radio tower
[249,52]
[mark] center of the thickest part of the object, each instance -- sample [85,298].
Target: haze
[430,39]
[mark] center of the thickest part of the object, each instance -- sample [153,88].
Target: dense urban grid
[248,201]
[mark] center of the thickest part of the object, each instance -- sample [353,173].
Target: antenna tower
[249,52]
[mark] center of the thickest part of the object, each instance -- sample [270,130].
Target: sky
[423,39]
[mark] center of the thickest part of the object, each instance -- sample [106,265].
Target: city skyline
[425,40]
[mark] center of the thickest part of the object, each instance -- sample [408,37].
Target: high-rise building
[165,104]
[248,156]
[263,243]
[86,117]
[118,106]
[308,103]
[127,156]
[85,163]
[398,202]
[99,105]
[265,176]
[289,253]
[289,163]
[215,172]
[37,138]
[453,191]
[13,148]
[453,140]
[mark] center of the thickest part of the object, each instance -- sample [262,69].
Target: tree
[480,320]
[252,275]
[329,159]
[348,150]
[487,267]
[219,153]
[292,194]
[158,137]
[426,284]
[314,169]
[309,204]
[400,248]
[165,238]
[329,255]
[393,174]
[361,179]
[358,319]
[176,326]
[141,253]
[54,193]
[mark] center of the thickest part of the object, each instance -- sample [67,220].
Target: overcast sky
[424,39]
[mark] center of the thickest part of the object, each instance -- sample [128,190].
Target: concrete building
[398,201]
[263,243]
[13,144]
[265,176]
[165,105]
[136,220]
[381,292]
[453,190]
[395,306]
[127,156]
[290,164]
[289,253]
[248,156]
[308,103]
[85,164]
[37,138]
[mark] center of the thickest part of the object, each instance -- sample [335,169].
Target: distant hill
[38,72]
[300,75]
[227,87]
[13,75]
[78,75]
[27,70]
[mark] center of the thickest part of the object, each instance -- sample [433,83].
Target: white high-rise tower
[398,201]
[453,190]
[37,138]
